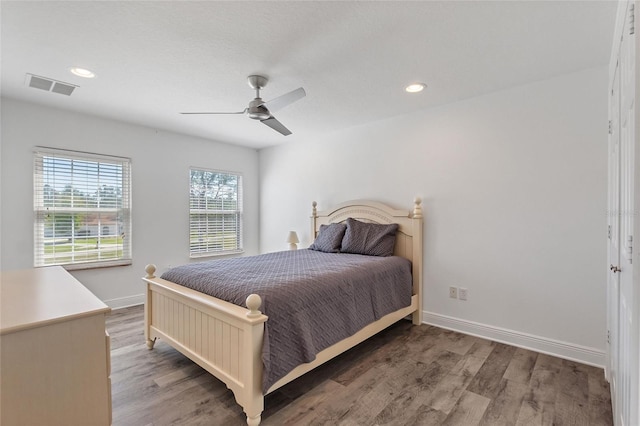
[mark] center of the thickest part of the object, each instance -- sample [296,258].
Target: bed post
[314,218]
[150,270]
[417,261]
[252,399]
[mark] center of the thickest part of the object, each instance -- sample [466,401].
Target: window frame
[121,211]
[238,213]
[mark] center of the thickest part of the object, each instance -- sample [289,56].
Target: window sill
[92,265]
[218,254]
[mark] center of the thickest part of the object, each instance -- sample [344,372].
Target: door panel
[622,298]
[613,298]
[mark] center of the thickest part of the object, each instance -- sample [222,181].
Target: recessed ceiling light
[81,72]
[415,87]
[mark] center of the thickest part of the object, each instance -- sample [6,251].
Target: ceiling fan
[261,110]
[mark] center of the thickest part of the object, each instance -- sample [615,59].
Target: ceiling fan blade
[239,112]
[286,99]
[276,125]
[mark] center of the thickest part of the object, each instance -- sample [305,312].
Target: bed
[227,340]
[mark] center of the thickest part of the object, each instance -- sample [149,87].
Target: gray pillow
[371,239]
[329,238]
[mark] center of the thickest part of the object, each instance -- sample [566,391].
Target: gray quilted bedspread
[313,299]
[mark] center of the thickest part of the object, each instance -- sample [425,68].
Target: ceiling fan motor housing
[257,110]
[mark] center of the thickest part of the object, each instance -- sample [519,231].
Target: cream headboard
[408,238]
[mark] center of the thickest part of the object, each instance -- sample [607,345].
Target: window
[82,206]
[215,213]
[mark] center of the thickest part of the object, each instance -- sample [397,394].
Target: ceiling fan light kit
[260,110]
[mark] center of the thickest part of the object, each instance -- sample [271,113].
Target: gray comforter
[313,299]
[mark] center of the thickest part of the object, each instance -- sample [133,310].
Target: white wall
[514,189]
[160,178]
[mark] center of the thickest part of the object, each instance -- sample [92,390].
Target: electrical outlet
[462,293]
[453,292]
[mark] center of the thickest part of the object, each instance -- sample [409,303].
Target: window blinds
[82,209]
[215,213]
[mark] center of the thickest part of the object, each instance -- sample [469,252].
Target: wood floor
[405,375]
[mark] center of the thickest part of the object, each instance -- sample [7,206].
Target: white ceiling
[155,59]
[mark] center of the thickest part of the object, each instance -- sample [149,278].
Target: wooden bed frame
[226,340]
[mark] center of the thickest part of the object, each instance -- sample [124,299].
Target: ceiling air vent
[49,84]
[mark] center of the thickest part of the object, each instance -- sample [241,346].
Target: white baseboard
[125,302]
[582,354]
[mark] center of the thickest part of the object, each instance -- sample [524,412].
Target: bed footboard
[224,339]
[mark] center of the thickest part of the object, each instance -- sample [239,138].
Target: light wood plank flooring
[405,375]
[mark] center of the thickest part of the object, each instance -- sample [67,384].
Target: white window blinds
[215,213]
[82,206]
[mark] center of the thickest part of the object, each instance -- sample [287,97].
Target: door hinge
[609,232]
[608,336]
[609,126]
[632,23]
[630,248]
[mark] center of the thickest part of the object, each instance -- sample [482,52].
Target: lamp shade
[293,238]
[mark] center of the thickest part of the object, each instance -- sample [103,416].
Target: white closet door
[628,328]
[613,281]
[623,291]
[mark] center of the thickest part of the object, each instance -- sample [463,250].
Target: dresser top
[40,296]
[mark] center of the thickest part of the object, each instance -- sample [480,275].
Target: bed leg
[150,270]
[254,421]
[416,317]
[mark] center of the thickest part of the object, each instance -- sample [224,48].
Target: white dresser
[54,351]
